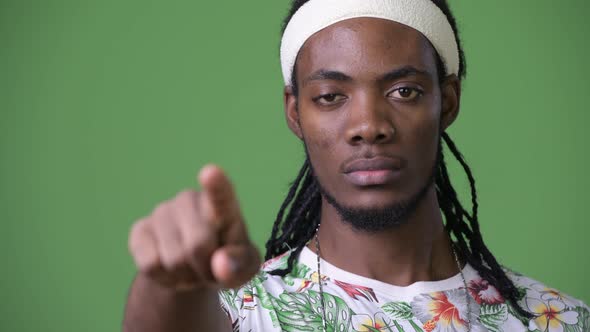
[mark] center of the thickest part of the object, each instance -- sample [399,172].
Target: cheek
[423,126]
[320,138]
[424,144]
[427,133]
[322,141]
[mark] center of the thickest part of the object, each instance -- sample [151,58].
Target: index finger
[221,203]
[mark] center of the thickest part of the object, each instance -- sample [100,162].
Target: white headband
[421,15]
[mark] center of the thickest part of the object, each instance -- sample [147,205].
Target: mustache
[369,153]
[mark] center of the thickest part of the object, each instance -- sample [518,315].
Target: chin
[375,209]
[374,213]
[375,217]
[374,197]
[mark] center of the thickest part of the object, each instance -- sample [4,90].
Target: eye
[406,93]
[328,99]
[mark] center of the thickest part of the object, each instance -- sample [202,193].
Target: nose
[370,121]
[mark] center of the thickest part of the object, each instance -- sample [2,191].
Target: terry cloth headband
[421,15]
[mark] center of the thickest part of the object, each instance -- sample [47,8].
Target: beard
[373,220]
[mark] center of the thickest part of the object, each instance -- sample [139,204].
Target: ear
[291,113]
[451,100]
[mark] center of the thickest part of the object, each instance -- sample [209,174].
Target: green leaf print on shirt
[266,299]
[522,291]
[401,310]
[398,310]
[492,316]
[261,293]
[229,297]
[299,271]
[583,321]
[302,312]
[584,317]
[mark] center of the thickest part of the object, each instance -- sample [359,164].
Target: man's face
[369,112]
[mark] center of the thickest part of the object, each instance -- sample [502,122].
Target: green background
[108,107]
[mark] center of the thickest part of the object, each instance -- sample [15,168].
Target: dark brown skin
[184,249]
[364,117]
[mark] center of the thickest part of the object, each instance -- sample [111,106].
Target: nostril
[380,137]
[357,139]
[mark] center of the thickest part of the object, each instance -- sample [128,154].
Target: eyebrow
[395,74]
[327,75]
[403,72]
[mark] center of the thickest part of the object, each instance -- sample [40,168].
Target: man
[371,236]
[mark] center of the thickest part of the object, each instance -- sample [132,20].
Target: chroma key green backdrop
[108,107]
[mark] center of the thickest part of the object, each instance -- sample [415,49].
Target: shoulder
[549,306]
[254,304]
[532,288]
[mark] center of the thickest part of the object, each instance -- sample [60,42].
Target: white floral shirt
[354,303]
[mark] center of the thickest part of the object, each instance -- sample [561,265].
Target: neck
[418,250]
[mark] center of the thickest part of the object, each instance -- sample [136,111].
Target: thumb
[234,265]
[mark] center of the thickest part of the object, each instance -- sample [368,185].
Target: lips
[373,164]
[374,171]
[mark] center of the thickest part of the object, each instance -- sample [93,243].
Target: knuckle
[166,233]
[138,225]
[187,196]
[198,237]
[174,262]
[148,265]
[186,202]
[137,235]
[161,210]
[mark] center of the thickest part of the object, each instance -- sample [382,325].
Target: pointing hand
[197,239]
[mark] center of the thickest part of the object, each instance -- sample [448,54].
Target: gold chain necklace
[323,304]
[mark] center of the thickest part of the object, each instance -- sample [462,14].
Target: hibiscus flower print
[366,323]
[446,312]
[484,293]
[550,316]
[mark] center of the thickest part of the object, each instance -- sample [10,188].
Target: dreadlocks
[303,203]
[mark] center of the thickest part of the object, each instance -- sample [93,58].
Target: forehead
[366,46]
